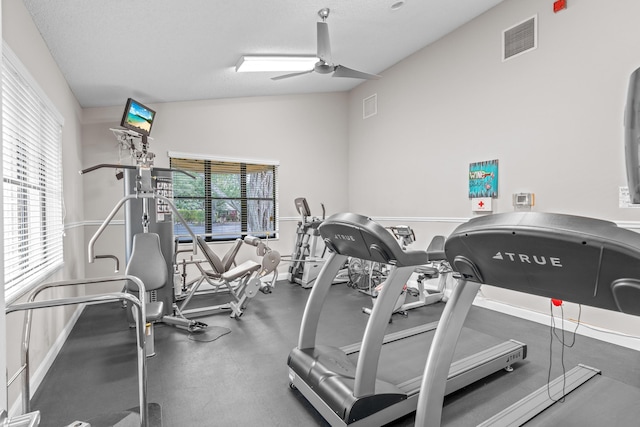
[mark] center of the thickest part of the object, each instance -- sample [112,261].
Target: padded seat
[241,270]
[148,264]
[427,271]
[154,311]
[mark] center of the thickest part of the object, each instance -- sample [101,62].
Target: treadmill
[582,260]
[372,383]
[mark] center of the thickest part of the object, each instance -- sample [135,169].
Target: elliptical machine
[306,261]
[437,268]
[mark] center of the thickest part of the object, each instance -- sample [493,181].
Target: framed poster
[483,179]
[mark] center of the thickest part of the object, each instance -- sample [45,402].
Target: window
[32,180]
[227,199]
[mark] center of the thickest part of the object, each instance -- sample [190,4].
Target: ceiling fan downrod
[324,13]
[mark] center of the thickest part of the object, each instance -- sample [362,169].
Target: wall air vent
[370,106]
[520,38]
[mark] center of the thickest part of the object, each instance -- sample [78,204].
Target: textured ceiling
[182,50]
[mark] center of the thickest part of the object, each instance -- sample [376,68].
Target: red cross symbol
[481,203]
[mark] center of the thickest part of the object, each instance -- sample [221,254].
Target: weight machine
[142,183]
[241,282]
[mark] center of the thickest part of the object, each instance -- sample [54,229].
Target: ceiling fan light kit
[254,63]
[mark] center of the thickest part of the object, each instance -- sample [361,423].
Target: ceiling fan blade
[324,46]
[286,76]
[342,71]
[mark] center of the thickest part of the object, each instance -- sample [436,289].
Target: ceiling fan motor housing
[322,67]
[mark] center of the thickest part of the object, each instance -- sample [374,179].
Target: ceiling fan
[324,65]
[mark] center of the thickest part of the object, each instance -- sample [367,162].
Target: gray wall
[553,117]
[307,134]
[19,32]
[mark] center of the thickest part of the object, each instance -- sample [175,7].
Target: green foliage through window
[226,200]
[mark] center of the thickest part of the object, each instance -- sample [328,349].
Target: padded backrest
[360,237]
[577,259]
[230,256]
[436,249]
[147,262]
[210,256]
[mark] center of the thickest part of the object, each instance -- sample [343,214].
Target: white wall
[24,39]
[553,117]
[307,134]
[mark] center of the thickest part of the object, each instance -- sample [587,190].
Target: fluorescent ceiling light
[275,63]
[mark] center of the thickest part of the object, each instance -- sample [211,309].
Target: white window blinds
[32,180]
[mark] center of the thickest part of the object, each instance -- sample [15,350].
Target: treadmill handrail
[373,338]
[434,379]
[317,297]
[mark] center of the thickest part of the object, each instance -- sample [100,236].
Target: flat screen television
[138,117]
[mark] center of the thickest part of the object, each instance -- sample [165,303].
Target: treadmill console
[358,236]
[578,259]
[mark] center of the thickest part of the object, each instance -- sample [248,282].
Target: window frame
[213,164]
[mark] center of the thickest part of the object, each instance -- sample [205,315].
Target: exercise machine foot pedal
[196,326]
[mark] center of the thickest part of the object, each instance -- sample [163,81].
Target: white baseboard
[601,334]
[38,376]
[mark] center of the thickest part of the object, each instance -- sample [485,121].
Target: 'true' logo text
[528,259]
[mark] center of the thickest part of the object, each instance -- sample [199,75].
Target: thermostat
[523,201]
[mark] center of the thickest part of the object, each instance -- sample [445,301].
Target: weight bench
[222,273]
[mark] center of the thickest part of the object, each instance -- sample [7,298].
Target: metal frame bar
[121,202]
[317,297]
[372,341]
[434,381]
[525,409]
[92,299]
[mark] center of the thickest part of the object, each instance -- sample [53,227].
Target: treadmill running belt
[404,359]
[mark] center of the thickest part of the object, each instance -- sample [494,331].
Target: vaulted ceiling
[181,50]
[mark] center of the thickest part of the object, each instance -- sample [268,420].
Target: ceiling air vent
[520,38]
[370,106]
